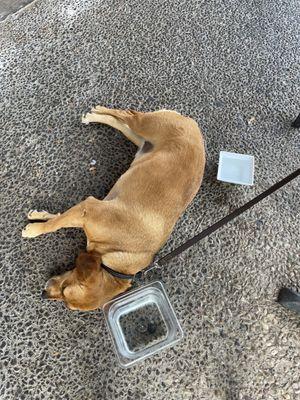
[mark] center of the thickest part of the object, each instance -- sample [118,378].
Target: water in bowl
[143,327]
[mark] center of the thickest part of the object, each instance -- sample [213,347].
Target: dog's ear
[86,264]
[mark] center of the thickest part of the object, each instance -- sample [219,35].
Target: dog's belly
[145,149]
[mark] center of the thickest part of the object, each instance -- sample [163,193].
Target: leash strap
[206,232]
[217,225]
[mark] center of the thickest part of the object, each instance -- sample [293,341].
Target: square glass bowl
[236,168]
[142,322]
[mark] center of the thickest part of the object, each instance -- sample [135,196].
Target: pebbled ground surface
[234,67]
[8,7]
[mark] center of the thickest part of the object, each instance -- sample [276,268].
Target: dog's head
[86,287]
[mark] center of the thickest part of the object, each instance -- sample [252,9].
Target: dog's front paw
[85,119]
[35,215]
[32,230]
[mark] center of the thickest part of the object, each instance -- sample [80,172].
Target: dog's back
[164,179]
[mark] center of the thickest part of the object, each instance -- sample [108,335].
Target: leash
[206,232]
[217,225]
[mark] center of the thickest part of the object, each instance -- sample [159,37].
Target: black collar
[119,275]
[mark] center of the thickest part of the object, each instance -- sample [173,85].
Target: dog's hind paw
[93,116]
[100,110]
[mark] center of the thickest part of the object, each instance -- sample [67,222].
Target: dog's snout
[44,294]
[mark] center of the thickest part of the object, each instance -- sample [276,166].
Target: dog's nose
[44,294]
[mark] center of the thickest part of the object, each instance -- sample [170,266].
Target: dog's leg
[35,215]
[110,120]
[154,127]
[73,218]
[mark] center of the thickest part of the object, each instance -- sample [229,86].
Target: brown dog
[127,228]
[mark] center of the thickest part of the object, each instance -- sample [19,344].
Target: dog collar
[120,275]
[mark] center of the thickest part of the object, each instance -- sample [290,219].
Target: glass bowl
[142,322]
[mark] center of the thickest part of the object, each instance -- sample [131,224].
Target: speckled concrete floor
[8,7]
[234,66]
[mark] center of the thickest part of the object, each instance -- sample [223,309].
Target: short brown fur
[127,228]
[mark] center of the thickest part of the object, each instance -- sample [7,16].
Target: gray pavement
[8,7]
[234,67]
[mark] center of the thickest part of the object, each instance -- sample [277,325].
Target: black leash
[229,217]
[206,232]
